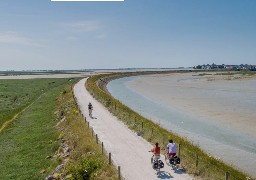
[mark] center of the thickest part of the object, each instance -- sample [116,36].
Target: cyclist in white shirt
[171,147]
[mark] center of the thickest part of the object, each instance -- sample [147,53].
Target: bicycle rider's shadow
[93,117]
[179,171]
[164,175]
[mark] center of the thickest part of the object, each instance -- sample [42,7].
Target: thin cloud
[83,26]
[16,39]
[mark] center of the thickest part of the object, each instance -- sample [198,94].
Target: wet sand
[215,112]
[228,101]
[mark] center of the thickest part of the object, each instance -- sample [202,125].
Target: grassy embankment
[205,167]
[32,136]
[15,95]
[86,158]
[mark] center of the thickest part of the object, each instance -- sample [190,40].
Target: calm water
[216,140]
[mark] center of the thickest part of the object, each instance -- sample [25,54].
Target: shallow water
[212,137]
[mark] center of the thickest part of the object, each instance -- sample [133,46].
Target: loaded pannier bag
[155,165]
[177,160]
[171,160]
[161,164]
[174,160]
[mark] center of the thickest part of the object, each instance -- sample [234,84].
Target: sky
[40,34]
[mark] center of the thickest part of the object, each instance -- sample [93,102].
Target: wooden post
[97,138]
[142,125]
[226,176]
[109,158]
[119,173]
[84,119]
[196,162]
[92,131]
[88,124]
[179,151]
[102,148]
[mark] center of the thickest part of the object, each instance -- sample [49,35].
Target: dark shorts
[171,154]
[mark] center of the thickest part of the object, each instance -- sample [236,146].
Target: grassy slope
[209,167]
[17,94]
[86,158]
[31,137]
[25,144]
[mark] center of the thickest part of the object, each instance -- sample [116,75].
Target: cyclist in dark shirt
[90,108]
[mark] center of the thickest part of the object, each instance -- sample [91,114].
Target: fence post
[102,147]
[84,119]
[109,158]
[179,151]
[88,124]
[226,176]
[119,173]
[92,131]
[97,138]
[142,125]
[196,162]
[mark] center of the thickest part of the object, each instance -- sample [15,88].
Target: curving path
[128,150]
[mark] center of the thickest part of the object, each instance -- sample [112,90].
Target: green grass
[15,95]
[33,135]
[26,142]
[209,167]
[82,165]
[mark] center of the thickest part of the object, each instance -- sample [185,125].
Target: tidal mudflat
[218,99]
[217,112]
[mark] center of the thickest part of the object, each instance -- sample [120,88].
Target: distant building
[241,67]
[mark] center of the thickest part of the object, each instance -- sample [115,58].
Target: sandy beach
[219,99]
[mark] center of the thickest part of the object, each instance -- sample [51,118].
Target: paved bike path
[128,150]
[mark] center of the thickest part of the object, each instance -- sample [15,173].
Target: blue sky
[40,34]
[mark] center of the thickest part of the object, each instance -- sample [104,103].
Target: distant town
[241,67]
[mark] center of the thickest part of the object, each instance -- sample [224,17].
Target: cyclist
[90,108]
[156,151]
[171,147]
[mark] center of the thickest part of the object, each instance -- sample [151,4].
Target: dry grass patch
[85,160]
